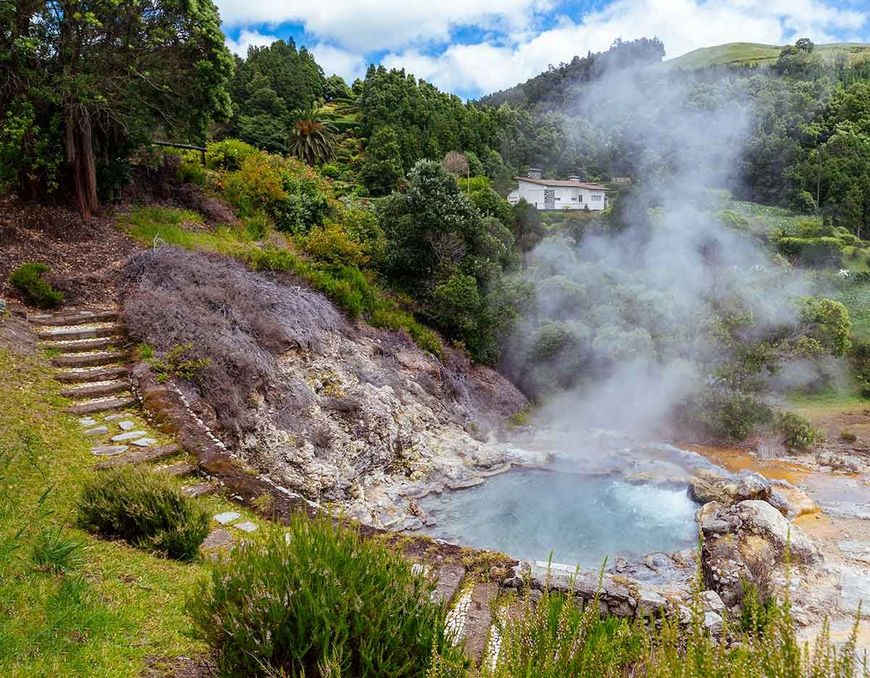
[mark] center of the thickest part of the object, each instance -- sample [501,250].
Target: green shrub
[228,154]
[330,244]
[314,597]
[191,172]
[146,509]
[178,362]
[28,279]
[797,432]
[727,415]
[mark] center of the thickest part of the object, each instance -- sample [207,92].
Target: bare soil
[85,255]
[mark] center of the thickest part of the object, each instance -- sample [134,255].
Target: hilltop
[758,54]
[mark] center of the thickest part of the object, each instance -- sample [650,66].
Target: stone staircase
[89,351]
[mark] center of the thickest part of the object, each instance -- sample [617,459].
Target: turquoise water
[581,519]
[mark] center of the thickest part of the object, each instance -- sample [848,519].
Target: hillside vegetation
[757,54]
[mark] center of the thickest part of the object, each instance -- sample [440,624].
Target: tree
[86,81]
[336,88]
[528,229]
[456,163]
[311,140]
[382,166]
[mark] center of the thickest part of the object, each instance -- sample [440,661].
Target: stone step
[88,359]
[200,489]
[180,470]
[92,375]
[449,579]
[478,621]
[75,333]
[74,318]
[96,390]
[144,455]
[104,405]
[82,345]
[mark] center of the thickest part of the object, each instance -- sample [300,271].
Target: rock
[246,526]
[109,450]
[764,520]
[129,435]
[658,561]
[466,484]
[650,601]
[707,485]
[97,431]
[713,622]
[126,425]
[145,442]
[227,517]
[712,601]
[216,539]
[88,421]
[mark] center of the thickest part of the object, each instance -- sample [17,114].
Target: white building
[558,194]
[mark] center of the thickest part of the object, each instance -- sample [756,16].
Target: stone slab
[227,517]
[129,435]
[145,442]
[127,425]
[97,431]
[109,450]
[246,526]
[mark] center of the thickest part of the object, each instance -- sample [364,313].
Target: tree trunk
[79,147]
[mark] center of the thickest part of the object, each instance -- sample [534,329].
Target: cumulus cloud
[683,25]
[363,25]
[332,59]
[248,39]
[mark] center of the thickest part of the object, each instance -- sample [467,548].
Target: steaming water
[580,518]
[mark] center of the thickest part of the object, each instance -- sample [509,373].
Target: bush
[28,279]
[727,415]
[319,600]
[797,432]
[146,509]
[331,245]
[228,154]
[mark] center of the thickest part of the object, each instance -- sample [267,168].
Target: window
[574,199]
[596,198]
[580,197]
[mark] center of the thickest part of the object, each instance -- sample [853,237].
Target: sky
[474,47]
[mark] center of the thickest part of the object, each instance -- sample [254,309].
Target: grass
[753,53]
[28,279]
[98,610]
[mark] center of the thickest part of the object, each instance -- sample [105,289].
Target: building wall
[565,198]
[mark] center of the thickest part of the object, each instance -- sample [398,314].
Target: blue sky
[472,47]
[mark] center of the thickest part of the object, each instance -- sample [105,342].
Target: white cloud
[683,25]
[249,39]
[348,65]
[370,25]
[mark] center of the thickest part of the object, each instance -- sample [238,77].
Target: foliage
[179,362]
[290,192]
[446,255]
[382,167]
[76,103]
[797,432]
[269,83]
[30,281]
[331,245]
[727,414]
[311,140]
[827,322]
[228,154]
[319,596]
[56,553]
[145,508]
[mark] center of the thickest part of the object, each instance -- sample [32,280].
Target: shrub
[330,244]
[180,362]
[54,553]
[319,596]
[146,509]
[228,154]
[727,415]
[798,433]
[28,279]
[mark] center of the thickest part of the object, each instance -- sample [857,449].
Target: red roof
[566,183]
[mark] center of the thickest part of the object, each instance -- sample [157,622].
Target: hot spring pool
[581,519]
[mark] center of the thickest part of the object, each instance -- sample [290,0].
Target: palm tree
[311,139]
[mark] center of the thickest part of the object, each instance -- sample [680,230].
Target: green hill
[753,53]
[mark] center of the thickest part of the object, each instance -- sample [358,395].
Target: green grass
[115,605]
[856,298]
[752,54]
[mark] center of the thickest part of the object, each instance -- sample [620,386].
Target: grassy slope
[121,605]
[751,53]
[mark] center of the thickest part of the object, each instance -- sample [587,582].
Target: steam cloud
[619,330]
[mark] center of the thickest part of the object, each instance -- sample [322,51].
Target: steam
[620,329]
